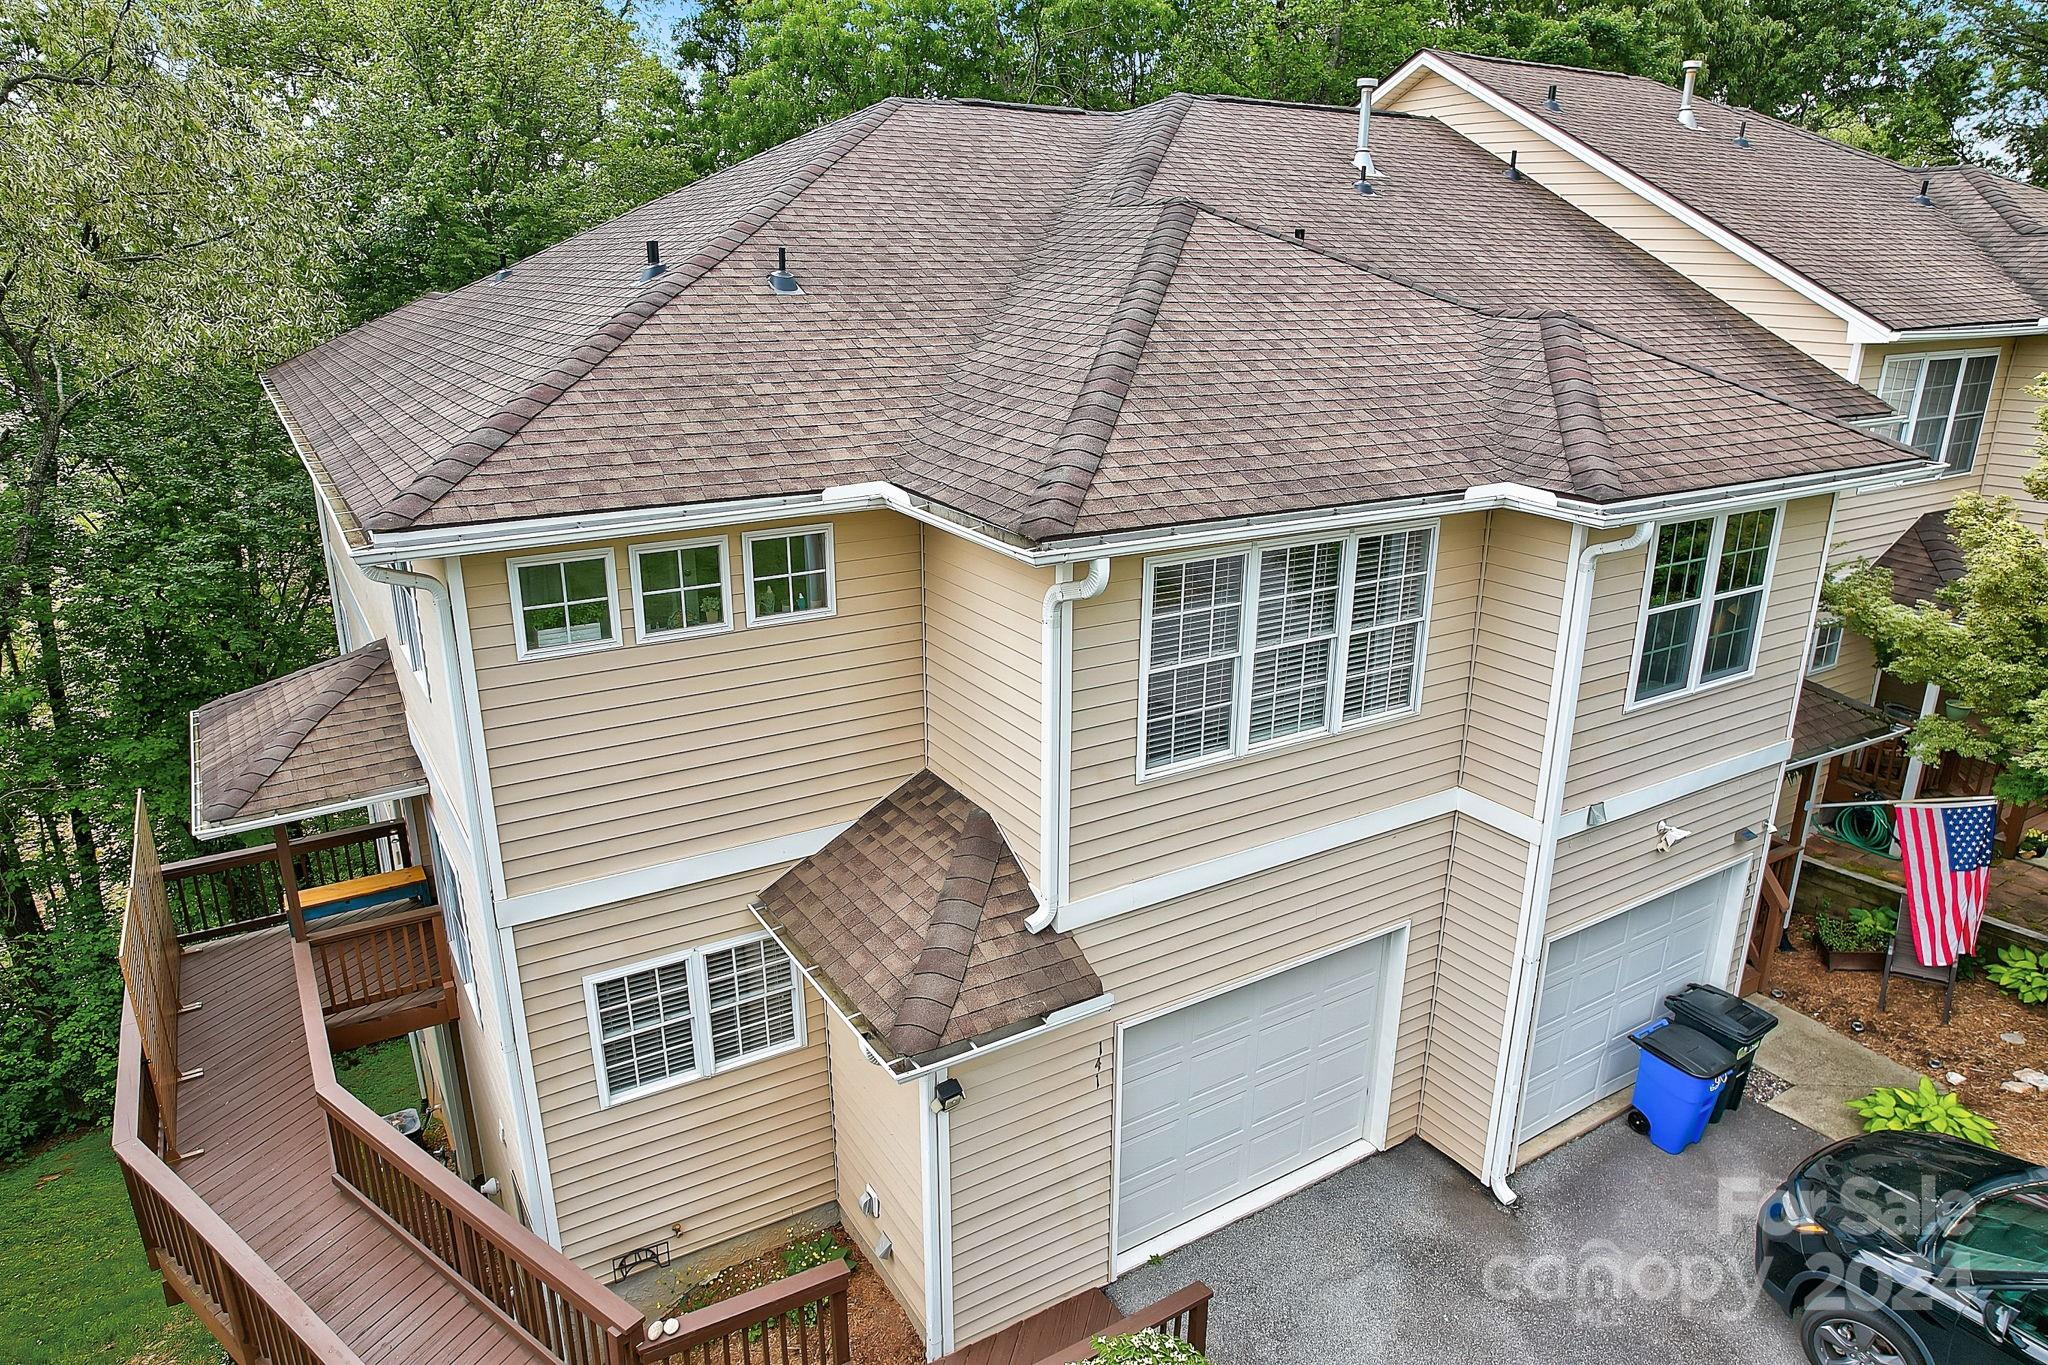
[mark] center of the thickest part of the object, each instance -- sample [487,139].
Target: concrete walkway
[1825,1070]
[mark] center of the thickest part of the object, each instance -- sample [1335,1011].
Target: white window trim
[1813,664]
[641,633]
[611,594]
[831,607]
[405,609]
[1912,414]
[1694,687]
[700,1019]
[1333,706]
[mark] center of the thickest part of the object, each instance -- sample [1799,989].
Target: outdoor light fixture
[1669,835]
[946,1094]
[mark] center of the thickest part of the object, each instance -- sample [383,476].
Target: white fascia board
[1713,231]
[1972,332]
[206,831]
[1641,799]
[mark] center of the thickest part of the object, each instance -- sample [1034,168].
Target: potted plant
[2034,843]
[1855,942]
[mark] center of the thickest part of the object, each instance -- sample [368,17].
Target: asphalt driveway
[1616,1252]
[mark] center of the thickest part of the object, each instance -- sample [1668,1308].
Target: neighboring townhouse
[1032,681]
[1928,286]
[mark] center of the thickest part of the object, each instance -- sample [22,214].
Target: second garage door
[1607,979]
[1236,1092]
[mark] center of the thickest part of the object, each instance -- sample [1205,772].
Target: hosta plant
[1889,1109]
[1148,1347]
[2022,971]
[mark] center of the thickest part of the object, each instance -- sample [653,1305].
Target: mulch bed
[1910,1032]
[880,1330]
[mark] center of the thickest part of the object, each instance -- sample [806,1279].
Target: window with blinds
[699,1012]
[1259,647]
[1940,401]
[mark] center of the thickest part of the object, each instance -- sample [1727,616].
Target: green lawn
[73,1283]
[381,1076]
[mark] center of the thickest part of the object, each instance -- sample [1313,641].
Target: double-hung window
[682,588]
[405,621]
[1703,605]
[1255,647]
[1940,401]
[692,1014]
[789,574]
[562,604]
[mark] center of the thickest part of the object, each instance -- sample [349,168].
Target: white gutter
[1055,758]
[391,547]
[1968,332]
[465,761]
[1557,750]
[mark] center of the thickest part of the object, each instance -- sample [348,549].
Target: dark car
[1910,1249]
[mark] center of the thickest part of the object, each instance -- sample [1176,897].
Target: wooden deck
[1042,1334]
[263,1164]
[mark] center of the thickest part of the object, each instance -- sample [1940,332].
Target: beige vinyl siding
[1615,749]
[2012,446]
[1031,1147]
[1854,673]
[1482,915]
[1124,829]
[1771,304]
[1618,863]
[983,695]
[1514,650]
[723,1154]
[877,1125]
[619,758]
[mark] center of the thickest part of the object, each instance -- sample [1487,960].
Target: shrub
[2022,971]
[60,1028]
[798,1257]
[1888,1109]
[1876,921]
[1149,1347]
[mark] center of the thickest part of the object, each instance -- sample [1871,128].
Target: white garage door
[1235,1092]
[1607,979]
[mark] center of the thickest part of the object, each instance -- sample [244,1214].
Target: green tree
[1308,50]
[1984,642]
[2010,40]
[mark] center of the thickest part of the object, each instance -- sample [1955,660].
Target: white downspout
[1054,758]
[465,760]
[1550,810]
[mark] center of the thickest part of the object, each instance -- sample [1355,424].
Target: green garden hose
[1866,827]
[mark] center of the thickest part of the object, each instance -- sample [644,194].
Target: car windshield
[2007,1233]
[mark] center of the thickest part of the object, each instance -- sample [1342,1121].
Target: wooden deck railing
[218,894]
[1879,765]
[1183,1314]
[149,968]
[550,1299]
[797,1321]
[231,1290]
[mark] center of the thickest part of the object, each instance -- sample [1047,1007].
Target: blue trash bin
[1679,1076]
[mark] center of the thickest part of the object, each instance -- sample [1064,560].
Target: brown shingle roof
[1829,723]
[1844,219]
[1001,304]
[1923,560]
[913,918]
[325,736]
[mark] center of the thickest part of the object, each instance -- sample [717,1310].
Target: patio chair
[1900,958]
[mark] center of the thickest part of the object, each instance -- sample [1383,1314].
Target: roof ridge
[933,989]
[350,671]
[431,484]
[1575,389]
[1997,197]
[1077,456]
[1154,142]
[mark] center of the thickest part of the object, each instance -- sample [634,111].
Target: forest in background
[194,189]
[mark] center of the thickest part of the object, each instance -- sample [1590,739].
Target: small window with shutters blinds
[1250,649]
[692,1014]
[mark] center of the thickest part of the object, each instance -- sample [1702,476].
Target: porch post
[288,881]
[1802,823]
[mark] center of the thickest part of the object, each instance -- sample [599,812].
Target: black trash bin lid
[1689,1050]
[1739,1021]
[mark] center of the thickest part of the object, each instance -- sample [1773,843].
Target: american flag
[1946,851]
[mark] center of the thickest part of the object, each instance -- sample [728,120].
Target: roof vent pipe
[1692,75]
[1513,171]
[504,267]
[1550,99]
[1923,198]
[1742,133]
[654,265]
[779,279]
[1363,160]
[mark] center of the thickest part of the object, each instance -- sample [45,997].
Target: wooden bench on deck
[408,884]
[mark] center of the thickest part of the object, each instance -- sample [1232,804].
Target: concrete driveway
[1616,1253]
